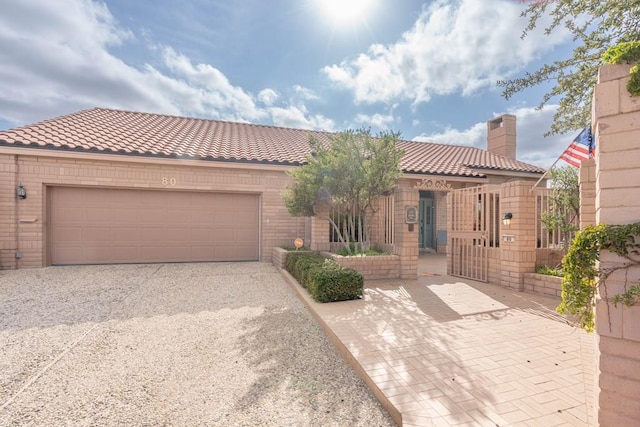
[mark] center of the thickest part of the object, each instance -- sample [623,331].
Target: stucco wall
[28,233]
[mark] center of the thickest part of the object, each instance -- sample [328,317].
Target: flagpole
[590,146]
[547,171]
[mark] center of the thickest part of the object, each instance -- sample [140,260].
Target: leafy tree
[595,25]
[564,203]
[347,174]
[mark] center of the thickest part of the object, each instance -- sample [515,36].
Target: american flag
[581,148]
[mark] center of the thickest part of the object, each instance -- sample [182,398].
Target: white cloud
[56,57]
[268,96]
[376,120]
[531,124]
[475,136]
[304,93]
[454,46]
[298,117]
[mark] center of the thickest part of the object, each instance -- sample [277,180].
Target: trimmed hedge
[334,282]
[325,279]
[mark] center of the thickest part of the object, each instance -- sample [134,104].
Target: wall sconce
[21,192]
[506,218]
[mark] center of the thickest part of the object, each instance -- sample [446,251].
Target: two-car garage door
[103,226]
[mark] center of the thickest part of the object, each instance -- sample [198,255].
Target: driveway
[169,344]
[448,351]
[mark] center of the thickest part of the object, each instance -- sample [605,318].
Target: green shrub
[292,259]
[549,271]
[332,282]
[299,263]
[325,279]
[304,265]
[374,251]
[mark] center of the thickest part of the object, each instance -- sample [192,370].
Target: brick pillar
[518,239]
[406,240]
[320,230]
[616,118]
[587,193]
[8,201]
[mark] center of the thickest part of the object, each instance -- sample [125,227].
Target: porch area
[443,350]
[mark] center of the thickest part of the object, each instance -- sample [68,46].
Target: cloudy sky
[427,69]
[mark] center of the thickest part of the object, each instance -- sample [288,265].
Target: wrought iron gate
[474,228]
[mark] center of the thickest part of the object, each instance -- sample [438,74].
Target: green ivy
[626,53]
[633,86]
[581,276]
[628,298]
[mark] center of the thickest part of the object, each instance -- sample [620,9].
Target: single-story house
[109,186]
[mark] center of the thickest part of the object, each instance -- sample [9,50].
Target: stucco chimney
[501,136]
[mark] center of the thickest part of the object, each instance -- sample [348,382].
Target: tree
[595,25]
[564,204]
[347,174]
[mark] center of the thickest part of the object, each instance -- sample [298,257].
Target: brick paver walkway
[446,351]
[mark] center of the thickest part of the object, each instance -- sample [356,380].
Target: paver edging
[342,349]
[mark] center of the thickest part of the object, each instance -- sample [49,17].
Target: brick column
[8,218]
[517,240]
[406,240]
[616,118]
[320,230]
[587,193]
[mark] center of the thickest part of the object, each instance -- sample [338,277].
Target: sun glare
[345,11]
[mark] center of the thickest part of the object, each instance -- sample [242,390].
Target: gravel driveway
[169,344]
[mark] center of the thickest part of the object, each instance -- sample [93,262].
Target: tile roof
[155,135]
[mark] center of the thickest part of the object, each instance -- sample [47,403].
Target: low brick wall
[371,267]
[543,284]
[279,256]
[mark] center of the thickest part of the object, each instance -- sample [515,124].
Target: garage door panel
[202,234]
[126,234]
[93,226]
[73,234]
[225,235]
[177,234]
[70,214]
[119,215]
[246,202]
[97,234]
[247,251]
[245,234]
[200,217]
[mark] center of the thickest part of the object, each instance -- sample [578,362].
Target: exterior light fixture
[21,192]
[506,218]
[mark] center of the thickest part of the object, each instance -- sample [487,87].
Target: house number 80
[168,181]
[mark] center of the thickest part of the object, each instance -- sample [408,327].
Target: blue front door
[426,222]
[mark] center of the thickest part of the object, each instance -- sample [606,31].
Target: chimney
[501,136]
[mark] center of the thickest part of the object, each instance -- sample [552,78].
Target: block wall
[587,193]
[543,284]
[616,120]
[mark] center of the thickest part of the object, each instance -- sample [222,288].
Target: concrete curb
[306,299]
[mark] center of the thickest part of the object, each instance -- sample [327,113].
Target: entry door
[426,223]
